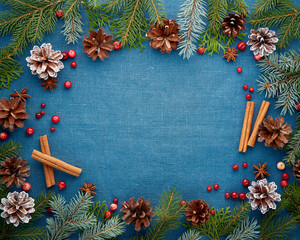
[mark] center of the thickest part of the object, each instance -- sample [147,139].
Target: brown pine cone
[12,113]
[274,133]
[296,169]
[97,44]
[14,171]
[197,212]
[139,212]
[233,24]
[164,37]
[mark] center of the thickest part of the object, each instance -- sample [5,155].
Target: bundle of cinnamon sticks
[245,140]
[50,162]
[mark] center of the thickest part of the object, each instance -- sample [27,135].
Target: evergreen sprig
[9,149]
[191,24]
[281,79]
[190,234]
[283,14]
[224,221]
[213,39]
[69,217]
[248,230]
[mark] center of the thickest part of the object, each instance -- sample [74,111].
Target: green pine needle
[248,230]
[190,234]
[9,149]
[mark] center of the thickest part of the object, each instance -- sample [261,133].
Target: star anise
[88,188]
[230,54]
[261,171]
[49,83]
[22,95]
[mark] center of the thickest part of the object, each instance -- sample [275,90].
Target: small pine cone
[274,133]
[44,61]
[12,113]
[197,212]
[233,24]
[164,37]
[97,44]
[14,171]
[17,208]
[262,41]
[296,169]
[139,212]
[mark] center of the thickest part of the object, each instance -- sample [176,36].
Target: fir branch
[278,13]
[248,230]
[168,215]
[9,149]
[156,10]
[190,235]
[292,194]
[69,217]
[98,209]
[281,79]
[191,24]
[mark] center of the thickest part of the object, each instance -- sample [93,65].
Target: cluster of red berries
[235,195]
[236,167]
[71,54]
[284,183]
[209,188]
[113,207]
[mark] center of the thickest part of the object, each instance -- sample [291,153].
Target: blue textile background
[138,123]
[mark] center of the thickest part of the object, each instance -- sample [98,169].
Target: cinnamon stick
[48,171]
[260,117]
[246,126]
[56,163]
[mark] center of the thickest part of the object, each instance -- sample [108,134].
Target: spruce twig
[248,230]
[9,149]
[190,234]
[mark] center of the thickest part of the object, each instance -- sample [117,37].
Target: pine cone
[97,44]
[12,113]
[197,212]
[164,37]
[262,41]
[44,61]
[262,195]
[296,169]
[139,212]
[274,133]
[17,208]
[14,171]
[233,24]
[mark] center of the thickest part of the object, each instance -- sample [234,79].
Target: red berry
[50,210]
[242,196]
[117,45]
[182,203]
[123,205]
[38,115]
[234,195]
[257,57]
[65,55]
[284,183]
[248,96]
[68,84]
[3,136]
[59,13]
[209,188]
[212,212]
[52,129]
[26,186]
[285,176]
[113,207]
[235,167]
[245,87]
[245,165]
[201,50]
[246,182]
[115,200]
[227,195]
[73,64]
[43,105]
[298,106]
[239,70]
[55,119]
[242,46]
[71,53]
[107,214]
[216,186]
[29,131]
[62,185]
[43,112]
[251,89]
